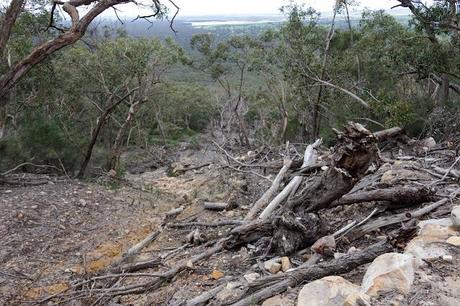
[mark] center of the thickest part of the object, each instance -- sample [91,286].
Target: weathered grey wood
[218,206]
[402,217]
[309,273]
[264,200]
[403,196]
[310,158]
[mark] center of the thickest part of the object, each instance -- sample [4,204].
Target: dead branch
[215,206]
[174,212]
[313,272]
[27,164]
[135,249]
[205,224]
[136,266]
[263,201]
[389,133]
[442,171]
[310,158]
[400,195]
[402,217]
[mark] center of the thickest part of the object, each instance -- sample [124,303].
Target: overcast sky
[251,7]
[219,7]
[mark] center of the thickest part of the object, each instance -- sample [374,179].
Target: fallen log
[403,196]
[136,266]
[402,217]
[215,206]
[309,273]
[206,224]
[388,133]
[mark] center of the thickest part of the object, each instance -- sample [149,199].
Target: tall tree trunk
[444,94]
[243,132]
[3,117]
[101,120]
[116,149]
[316,116]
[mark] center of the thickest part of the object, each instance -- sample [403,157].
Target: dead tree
[295,226]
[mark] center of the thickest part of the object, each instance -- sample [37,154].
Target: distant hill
[220,26]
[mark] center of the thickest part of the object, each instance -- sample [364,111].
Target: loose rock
[275,268]
[324,246]
[279,300]
[328,291]
[251,277]
[285,264]
[391,271]
[216,274]
[427,247]
[357,299]
[272,265]
[455,216]
[454,240]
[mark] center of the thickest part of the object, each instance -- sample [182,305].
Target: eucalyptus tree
[440,61]
[123,73]
[81,13]
[228,62]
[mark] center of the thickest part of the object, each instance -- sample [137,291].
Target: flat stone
[447,222]
[216,274]
[427,247]
[391,271]
[454,240]
[251,277]
[279,300]
[437,231]
[328,291]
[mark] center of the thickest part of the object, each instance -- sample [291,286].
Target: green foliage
[42,141]
[271,80]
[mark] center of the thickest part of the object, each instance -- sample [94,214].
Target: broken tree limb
[174,212]
[310,158]
[309,273]
[264,200]
[400,195]
[388,133]
[454,173]
[136,266]
[215,206]
[206,224]
[206,296]
[135,249]
[402,217]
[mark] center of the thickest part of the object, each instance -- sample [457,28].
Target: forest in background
[110,92]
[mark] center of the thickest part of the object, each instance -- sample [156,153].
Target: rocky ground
[62,232]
